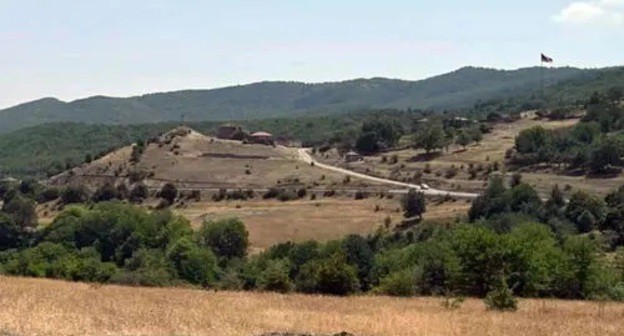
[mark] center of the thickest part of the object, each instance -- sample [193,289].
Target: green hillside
[458,89]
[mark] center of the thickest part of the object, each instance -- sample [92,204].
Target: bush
[169,192]
[330,275]
[74,194]
[501,298]
[360,195]
[275,277]
[105,193]
[450,172]
[401,283]
[48,194]
[139,193]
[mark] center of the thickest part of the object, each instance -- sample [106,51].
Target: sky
[71,49]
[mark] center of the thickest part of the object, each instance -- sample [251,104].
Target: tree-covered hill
[458,89]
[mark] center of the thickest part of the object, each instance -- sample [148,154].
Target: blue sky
[72,48]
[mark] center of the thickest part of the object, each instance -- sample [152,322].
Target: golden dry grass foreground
[47,307]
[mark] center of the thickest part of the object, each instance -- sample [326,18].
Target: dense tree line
[515,244]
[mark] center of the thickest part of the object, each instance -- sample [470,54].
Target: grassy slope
[285,99]
[36,150]
[45,307]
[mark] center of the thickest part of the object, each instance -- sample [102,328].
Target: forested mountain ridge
[458,89]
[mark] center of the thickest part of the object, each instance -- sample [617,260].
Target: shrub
[104,193]
[427,169]
[360,195]
[271,193]
[329,193]
[275,277]
[501,298]
[74,194]
[48,194]
[169,192]
[401,283]
[302,192]
[450,172]
[139,193]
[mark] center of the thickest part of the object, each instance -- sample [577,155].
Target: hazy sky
[73,48]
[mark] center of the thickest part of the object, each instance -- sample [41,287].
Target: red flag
[546,59]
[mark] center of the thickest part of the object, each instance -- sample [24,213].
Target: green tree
[334,276]
[606,153]
[429,137]
[228,238]
[463,138]
[475,134]
[194,264]
[414,204]
[275,277]
[584,209]
[22,211]
[367,144]
[359,254]
[532,140]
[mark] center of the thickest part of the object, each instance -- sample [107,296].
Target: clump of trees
[594,145]
[377,134]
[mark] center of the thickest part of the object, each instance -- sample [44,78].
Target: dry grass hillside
[450,170]
[36,307]
[193,160]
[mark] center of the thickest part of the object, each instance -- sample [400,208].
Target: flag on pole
[546,59]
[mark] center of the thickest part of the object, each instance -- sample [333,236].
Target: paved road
[305,157]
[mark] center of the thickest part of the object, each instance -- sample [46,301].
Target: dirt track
[305,157]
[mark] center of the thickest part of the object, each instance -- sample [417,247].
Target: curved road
[305,157]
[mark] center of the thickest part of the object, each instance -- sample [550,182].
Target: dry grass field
[270,222]
[37,307]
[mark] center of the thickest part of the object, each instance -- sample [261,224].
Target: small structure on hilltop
[262,137]
[231,132]
[352,157]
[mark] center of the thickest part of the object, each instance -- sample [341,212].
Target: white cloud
[600,12]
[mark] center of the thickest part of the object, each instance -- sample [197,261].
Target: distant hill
[457,89]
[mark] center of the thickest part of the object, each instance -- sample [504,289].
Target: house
[262,137]
[229,131]
[352,157]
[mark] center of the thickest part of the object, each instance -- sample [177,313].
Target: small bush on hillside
[450,172]
[169,192]
[74,194]
[329,193]
[48,194]
[360,195]
[302,192]
[138,193]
